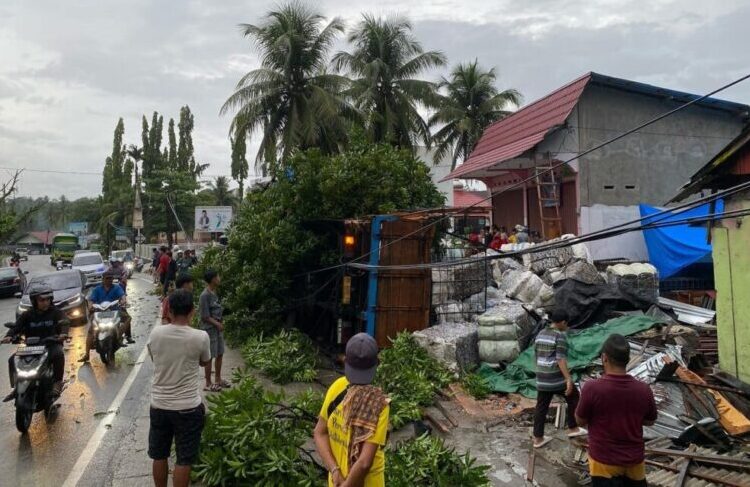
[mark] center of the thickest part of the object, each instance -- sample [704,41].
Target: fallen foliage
[475,385]
[286,356]
[427,462]
[410,377]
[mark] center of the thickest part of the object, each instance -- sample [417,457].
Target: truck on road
[64,246]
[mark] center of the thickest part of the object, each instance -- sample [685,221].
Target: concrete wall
[732,280]
[629,246]
[650,165]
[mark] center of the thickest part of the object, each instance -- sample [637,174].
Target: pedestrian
[184,263]
[177,412]
[211,321]
[513,238]
[487,236]
[169,269]
[553,377]
[615,408]
[185,282]
[522,235]
[155,261]
[353,423]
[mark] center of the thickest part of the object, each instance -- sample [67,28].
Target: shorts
[184,427]
[217,341]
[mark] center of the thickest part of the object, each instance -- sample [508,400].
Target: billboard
[213,219]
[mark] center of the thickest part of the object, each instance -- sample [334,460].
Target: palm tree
[290,98]
[384,62]
[471,103]
[219,189]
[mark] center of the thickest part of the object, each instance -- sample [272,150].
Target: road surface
[80,444]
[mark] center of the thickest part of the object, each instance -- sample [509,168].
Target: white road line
[93,445]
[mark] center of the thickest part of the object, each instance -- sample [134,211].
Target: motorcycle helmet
[40,291]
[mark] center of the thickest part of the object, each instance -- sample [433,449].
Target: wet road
[54,449]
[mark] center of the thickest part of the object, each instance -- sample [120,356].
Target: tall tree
[384,64]
[240,166]
[291,99]
[172,151]
[470,103]
[185,159]
[220,191]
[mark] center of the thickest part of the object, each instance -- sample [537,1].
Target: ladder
[548,197]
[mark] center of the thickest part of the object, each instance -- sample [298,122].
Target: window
[91,259]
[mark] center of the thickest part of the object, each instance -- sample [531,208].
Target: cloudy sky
[69,69]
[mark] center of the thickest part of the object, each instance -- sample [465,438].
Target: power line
[549,169]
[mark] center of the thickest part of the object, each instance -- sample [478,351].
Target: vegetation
[476,385]
[287,356]
[410,377]
[220,193]
[470,104]
[427,462]
[291,99]
[271,240]
[253,437]
[384,63]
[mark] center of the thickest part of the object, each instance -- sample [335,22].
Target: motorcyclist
[107,291]
[43,320]
[15,259]
[120,272]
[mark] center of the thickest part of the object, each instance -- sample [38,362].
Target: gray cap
[361,359]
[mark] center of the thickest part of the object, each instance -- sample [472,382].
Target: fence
[459,291]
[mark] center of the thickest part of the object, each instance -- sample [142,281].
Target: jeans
[543,400]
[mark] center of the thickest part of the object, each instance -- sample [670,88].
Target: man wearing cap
[353,422]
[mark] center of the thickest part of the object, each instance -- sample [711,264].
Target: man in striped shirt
[553,377]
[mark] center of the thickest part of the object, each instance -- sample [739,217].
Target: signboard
[80,230]
[123,234]
[213,219]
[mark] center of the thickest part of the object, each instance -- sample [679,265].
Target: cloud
[71,69]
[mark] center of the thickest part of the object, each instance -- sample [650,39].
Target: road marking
[93,445]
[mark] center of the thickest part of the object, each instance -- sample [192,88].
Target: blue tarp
[672,249]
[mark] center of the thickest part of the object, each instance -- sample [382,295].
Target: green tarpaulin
[583,348]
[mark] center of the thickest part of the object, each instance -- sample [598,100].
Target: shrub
[252,437]
[287,356]
[476,385]
[410,377]
[427,462]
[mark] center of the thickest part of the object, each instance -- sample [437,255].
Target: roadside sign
[140,239]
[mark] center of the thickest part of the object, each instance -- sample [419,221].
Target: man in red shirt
[615,408]
[163,270]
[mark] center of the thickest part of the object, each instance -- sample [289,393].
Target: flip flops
[546,440]
[580,432]
[225,384]
[213,388]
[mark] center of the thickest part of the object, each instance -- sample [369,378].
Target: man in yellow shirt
[353,422]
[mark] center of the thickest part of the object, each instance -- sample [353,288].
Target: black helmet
[40,291]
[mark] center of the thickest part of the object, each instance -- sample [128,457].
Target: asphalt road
[95,409]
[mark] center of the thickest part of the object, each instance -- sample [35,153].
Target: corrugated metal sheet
[523,129]
[666,478]
[463,199]
[687,313]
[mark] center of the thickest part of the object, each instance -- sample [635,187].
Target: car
[12,280]
[92,265]
[23,253]
[68,289]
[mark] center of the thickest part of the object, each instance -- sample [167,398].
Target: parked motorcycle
[108,335]
[34,380]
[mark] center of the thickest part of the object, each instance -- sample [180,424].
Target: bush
[287,356]
[476,385]
[252,438]
[410,377]
[426,462]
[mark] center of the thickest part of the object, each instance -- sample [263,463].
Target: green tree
[222,195]
[384,64]
[240,166]
[291,99]
[471,102]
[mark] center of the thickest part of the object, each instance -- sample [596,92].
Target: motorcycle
[34,380]
[108,335]
[138,264]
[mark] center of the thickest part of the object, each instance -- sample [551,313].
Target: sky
[69,70]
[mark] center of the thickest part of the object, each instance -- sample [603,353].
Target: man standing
[351,431]
[553,377]
[185,282]
[211,322]
[615,408]
[177,411]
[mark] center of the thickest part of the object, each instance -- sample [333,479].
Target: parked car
[92,265]
[68,289]
[23,253]
[12,281]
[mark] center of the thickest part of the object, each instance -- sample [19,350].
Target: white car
[92,265]
[23,253]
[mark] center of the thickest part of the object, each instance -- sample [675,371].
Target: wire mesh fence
[459,291]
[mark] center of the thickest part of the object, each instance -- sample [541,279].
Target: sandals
[580,432]
[224,384]
[546,440]
[213,388]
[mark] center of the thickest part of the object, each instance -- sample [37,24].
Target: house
[604,187]
[480,205]
[36,240]
[729,239]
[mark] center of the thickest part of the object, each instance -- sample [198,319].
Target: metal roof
[464,199]
[525,128]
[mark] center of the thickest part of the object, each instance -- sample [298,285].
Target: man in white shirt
[177,412]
